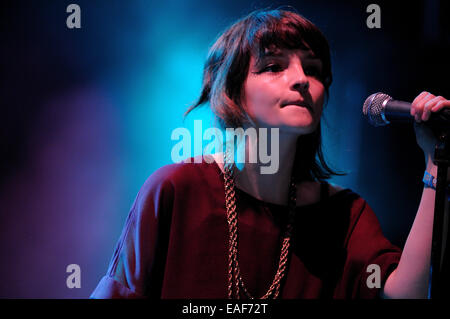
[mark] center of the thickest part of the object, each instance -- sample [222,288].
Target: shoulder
[174,184]
[178,176]
[334,188]
[351,203]
[347,197]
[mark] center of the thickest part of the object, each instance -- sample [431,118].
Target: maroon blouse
[174,242]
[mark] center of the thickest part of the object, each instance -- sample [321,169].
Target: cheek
[319,98]
[259,96]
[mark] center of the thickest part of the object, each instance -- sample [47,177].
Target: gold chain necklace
[235,281]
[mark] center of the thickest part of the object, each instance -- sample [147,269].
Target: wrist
[431,168]
[429,180]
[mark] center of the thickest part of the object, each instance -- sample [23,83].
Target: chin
[300,127]
[299,124]
[297,116]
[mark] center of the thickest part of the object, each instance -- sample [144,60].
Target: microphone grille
[373,108]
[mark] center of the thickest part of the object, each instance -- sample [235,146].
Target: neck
[273,186]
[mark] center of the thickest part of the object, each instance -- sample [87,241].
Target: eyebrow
[279,53]
[272,53]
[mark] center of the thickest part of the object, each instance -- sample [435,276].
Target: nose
[301,86]
[299,80]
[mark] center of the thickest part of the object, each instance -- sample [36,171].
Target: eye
[273,68]
[312,71]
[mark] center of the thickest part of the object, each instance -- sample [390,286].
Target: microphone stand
[440,271]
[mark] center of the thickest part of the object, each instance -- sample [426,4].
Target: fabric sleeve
[370,259]
[138,260]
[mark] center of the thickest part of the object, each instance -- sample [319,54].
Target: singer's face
[284,91]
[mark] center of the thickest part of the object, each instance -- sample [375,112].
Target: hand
[422,107]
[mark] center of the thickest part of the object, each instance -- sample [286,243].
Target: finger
[419,102]
[426,112]
[440,105]
[420,106]
[419,98]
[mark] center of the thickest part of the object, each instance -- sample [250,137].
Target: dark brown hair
[227,66]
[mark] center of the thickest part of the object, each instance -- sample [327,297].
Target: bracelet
[429,180]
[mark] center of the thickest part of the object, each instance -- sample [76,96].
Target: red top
[175,242]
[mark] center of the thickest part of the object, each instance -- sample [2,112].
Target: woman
[218,230]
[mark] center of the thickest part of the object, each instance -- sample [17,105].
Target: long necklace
[236,284]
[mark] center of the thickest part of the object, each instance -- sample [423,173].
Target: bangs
[270,39]
[271,32]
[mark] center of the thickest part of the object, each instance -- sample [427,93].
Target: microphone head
[373,108]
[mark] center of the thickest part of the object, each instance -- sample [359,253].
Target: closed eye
[312,71]
[272,68]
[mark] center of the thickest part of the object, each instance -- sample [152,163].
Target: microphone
[380,110]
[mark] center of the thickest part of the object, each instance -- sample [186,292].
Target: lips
[298,103]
